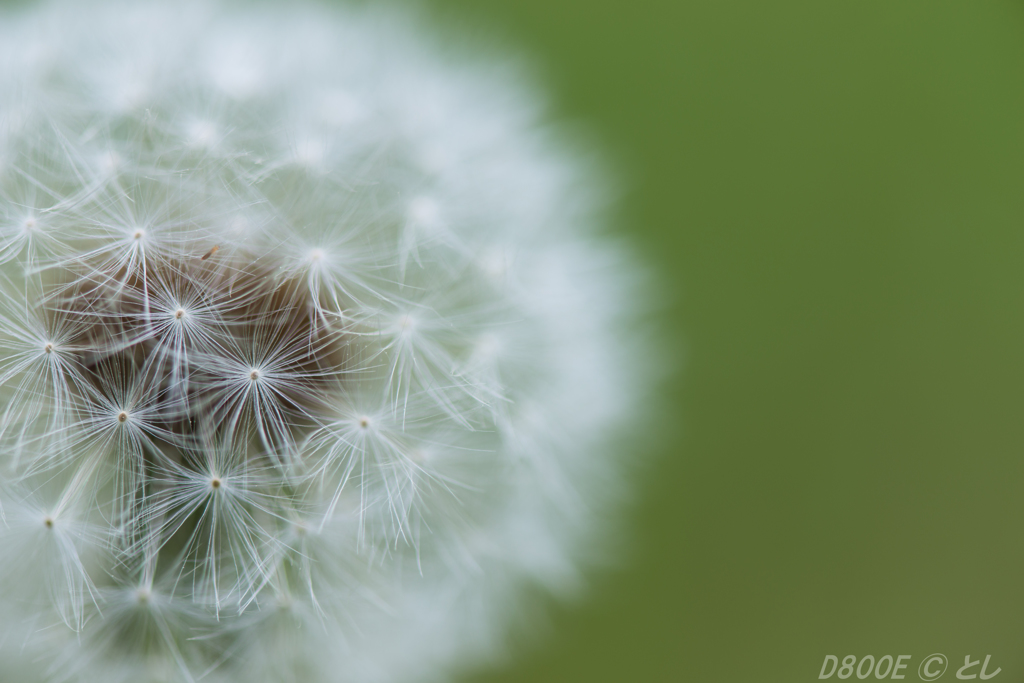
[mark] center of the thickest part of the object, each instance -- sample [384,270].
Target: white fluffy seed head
[310,357]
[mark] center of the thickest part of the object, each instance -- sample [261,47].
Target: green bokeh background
[831,192]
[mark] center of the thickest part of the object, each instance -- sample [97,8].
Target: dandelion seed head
[311,358]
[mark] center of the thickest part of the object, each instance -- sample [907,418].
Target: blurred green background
[831,193]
